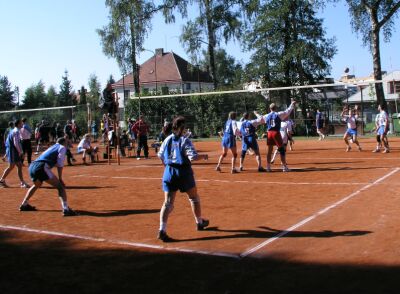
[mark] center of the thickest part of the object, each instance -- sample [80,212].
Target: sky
[43,38]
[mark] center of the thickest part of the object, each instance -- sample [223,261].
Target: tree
[94,90]
[123,37]
[290,47]
[65,95]
[52,96]
[82,96]
[370,18]
[217,20]
[6,94]
[35,97]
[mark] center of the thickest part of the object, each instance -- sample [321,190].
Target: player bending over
[229,142]
[40,171]
[273,122]
[351,132]
[177,152]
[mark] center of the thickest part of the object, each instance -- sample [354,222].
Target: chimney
[160,51]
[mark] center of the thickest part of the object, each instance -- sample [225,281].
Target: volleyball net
[206,112]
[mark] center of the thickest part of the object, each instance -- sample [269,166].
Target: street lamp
[155,66]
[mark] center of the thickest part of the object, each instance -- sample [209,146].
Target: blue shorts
[178,178]
[381,130]
[37,172]
[229,141]
[351,132]
[249,142]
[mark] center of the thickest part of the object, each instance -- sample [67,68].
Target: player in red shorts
[273,122]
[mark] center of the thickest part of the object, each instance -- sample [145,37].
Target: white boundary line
[225,181]
[117,242]
[310,218]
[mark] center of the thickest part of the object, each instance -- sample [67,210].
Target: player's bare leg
[194,199]
[346,141]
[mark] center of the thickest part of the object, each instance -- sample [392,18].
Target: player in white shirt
[86,148]
[351,132]
[381,128]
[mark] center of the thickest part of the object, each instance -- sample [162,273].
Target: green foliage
[6,94]
[65,95]
[36,97]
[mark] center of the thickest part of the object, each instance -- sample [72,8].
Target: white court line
[223,181]
[118,242]
[321,212]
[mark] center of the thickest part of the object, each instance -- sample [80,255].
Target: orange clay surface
[333,207]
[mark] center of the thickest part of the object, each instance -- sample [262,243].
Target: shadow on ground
[33,263]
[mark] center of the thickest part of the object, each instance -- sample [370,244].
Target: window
[188,86]
[394,87]
[126,94]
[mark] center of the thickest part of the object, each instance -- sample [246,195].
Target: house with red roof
[164,73]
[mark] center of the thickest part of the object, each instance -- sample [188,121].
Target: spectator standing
[26,136]
[141,128]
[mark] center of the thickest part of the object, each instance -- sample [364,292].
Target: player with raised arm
[249,140]
[351,121]
[176,153]
[229,142]
[273,123]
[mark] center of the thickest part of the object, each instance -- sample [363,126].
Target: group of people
[247,130]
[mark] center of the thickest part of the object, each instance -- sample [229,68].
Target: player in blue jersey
[273,122]
[249,140]
[14,155]
[40,171]
[229,142]
[177,152]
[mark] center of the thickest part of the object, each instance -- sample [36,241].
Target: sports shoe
[241,168]
[268,169]
[359,149]
[69,212]
[348,148]
[218,168]
[25,185]
[285,169]
[3,184]
[201,226]
[27,207]
[386,151]
[261,169]
[234,171]
[162,235]
[375,150]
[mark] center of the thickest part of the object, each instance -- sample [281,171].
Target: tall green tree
[218,20]
[94,91]
[66,95]
[82,96]
[123,37]
[35,97]
[52,96]
[6,94]
[370,19]
[290,46]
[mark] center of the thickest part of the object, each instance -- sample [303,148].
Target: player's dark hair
[17,122]
[61,141]
[178,123]
[232,115]
[11,124]
[246,115]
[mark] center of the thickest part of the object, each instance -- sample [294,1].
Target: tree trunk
[211,42]
[135,68]
[376,56]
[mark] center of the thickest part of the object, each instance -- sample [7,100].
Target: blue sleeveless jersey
[273,122]
[50,156]
[174,151]
[228,130]
[247,129]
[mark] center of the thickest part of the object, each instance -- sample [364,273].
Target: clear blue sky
[43,38]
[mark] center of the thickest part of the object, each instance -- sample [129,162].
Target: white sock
[163,226]
[64,205]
